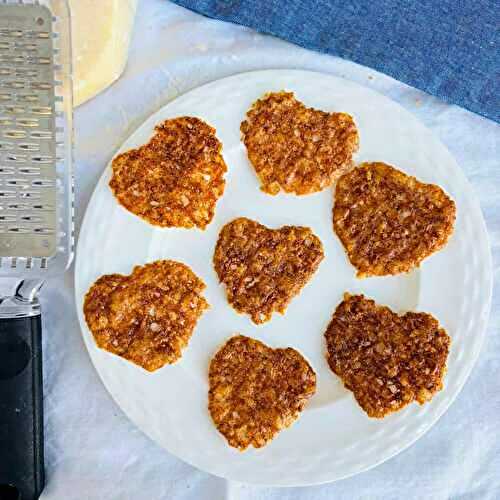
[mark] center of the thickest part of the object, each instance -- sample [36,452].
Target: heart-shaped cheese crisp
[147,317]
[176,178]
[387,360]
[297,149]
[256,391]
[262,268]
[388,221]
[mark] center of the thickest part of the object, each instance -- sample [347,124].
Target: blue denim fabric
[448,48]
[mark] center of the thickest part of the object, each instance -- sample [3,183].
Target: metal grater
[36,218]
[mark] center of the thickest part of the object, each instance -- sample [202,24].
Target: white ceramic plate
[333,438]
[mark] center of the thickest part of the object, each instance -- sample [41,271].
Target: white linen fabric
[92,450]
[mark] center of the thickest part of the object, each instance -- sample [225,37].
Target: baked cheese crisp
[387,360]
[262,268]
[256,391]
[388,221]
[176,178]
[297,149]
[148,316]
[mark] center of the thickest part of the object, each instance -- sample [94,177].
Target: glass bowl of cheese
[101,32]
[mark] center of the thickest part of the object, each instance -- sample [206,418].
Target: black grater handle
[21,408]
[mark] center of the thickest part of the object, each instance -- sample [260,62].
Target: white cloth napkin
[92,451]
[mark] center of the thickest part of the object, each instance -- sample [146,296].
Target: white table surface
[92,450]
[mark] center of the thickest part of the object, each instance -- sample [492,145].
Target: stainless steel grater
[36,219]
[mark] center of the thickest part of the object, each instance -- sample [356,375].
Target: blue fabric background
[448,48]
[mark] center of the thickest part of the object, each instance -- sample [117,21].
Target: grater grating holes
[28,122]
[43,159]
[28,154]
[26,73]
[6,171]
[29,171]
[24,46]
[26,98]
[7,218]
[41,134]
[41,110]
[43,183]
[34,195]
[20,183]
[15,134]
[15,110]
[40,86]
[15,158]
[29,147]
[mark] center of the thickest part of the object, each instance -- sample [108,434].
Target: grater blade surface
[33,127]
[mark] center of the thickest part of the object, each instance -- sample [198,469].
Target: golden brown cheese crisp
[262,268]
[387,360]
[388,221]
[148,316]
[176,178]
[297,149]
[256,391]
